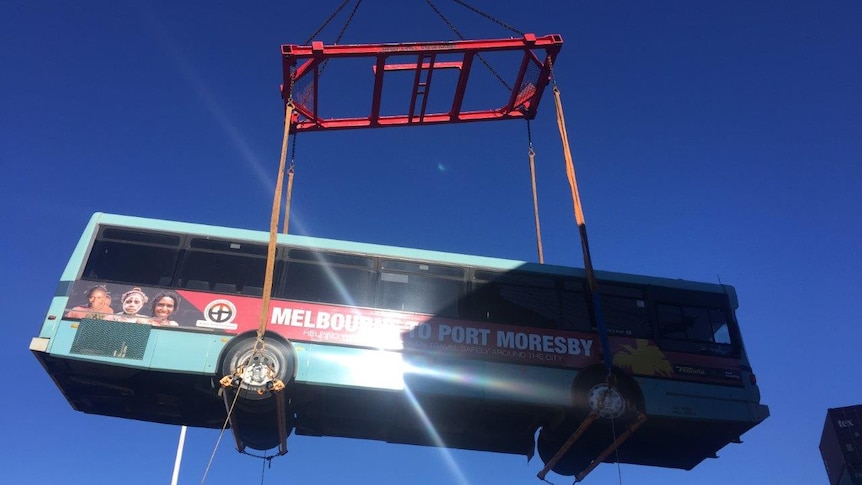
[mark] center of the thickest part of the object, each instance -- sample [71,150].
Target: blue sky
[712,140]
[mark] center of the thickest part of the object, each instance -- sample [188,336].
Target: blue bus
[376,342]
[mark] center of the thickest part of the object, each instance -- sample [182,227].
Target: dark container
[841,445]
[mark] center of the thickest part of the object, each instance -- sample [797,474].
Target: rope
[615,445]
[461,36]
[532,155]
[617,449]
[266,459]
[220,435]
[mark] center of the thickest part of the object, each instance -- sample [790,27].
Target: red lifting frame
[308,62]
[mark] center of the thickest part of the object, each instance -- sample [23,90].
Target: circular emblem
[220,312]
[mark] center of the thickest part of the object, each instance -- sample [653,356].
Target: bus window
[514,298]
[222,266]
[575,306]
[624,311]
[419,287]
[237,247]
[694,329]
[326,282]
[331,258]
[133,257]
[720,331]
[422,268]
[141,237]
[671,322]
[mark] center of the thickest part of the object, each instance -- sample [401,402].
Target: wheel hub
[607,402]
[259,371]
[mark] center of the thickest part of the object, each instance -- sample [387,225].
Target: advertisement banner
[388,330]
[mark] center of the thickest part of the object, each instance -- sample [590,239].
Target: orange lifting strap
[595,303]
[273,227]
[532,155]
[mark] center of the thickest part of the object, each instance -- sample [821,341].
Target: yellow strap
[289,194]
[273,230]
[576,198]
[536,205]
[570,167]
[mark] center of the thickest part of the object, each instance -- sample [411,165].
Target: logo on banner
[219,314]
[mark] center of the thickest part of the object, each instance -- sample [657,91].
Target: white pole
[179,456]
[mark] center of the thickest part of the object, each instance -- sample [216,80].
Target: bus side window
[693,323]
[670,321]
[221,266]
[326,278]
[421,288]
[575,306]
[133,257]
[720,330]
[697,324]
[624,311]
[514,298]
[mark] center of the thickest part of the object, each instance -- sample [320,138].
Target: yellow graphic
[645,359]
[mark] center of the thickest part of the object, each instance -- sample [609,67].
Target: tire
[277,355]
[587,390]
[573,462]
[257,430]
[254,411]
[591,384]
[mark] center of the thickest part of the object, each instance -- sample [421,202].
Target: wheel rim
[257,371]
[606,401]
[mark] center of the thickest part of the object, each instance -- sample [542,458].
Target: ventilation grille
[105,338]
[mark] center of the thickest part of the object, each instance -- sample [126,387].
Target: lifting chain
[326,22]
[489,17]
[292,168]
[340,33]
[461,36]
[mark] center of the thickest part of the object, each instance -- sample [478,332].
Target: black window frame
[446,283]
[298,259]
[195,273]
[487,285]
[614,297]
[691,301]
[133,241]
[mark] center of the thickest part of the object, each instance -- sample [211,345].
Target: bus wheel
[591,392]
[621,401]
[574,461]
[255,373]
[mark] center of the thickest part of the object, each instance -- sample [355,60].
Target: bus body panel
[697,397]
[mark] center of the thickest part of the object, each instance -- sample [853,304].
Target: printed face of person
[97,299]
[132,304]
[164,307]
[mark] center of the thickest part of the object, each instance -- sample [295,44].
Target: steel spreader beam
[303,67]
